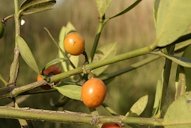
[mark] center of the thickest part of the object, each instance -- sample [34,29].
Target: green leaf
[173,20]
[178,113]
[102,6]
[54,61]
[34,6]
[127,9]
[71,91]
[107,51]
[185,62]
[138,107]
[27,54]
[63,32]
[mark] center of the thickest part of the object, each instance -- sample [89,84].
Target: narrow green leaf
[138,107]
[178,113]
[71,91]
[173,20]
[54,61]
[127,9]
[63,32]
[102,6]
[61,45]
[27,54]
[34,6]
[107,51]
[185,62]
[109,109]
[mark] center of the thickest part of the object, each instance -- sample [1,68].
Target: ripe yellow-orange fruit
[93,92]
[74,43]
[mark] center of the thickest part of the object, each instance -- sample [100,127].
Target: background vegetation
[132,30]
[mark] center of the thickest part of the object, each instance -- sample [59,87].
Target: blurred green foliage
[132,30]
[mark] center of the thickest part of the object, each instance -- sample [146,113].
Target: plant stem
[166,77]
[97,37]
[15,64]
[130,68]
[72,117]
[91,66]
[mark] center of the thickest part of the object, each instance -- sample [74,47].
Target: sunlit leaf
[34,6]
[138,107]
[71,91]
[173,20]
[127,9]
[107,51]
[178,113]
[26,54]
[102,6]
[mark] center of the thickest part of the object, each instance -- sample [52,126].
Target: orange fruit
[93,92]
[74,43]
[111,125]
[52,70]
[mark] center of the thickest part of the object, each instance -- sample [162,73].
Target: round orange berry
[111,125]
[93,92]
[52,70]
[74,43]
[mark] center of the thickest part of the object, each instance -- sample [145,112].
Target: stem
[130,68]
[97,37]
[135,53]
[166,76]
[7,18]
[15,64]
[22,89]
[73,117]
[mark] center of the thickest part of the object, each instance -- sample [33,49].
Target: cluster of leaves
[172,21]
